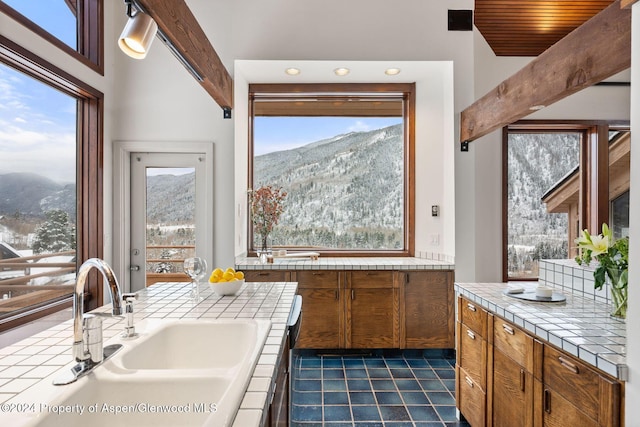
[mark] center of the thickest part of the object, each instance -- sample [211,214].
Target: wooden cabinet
[506,377]
[279,408]
[573,393]
[471,362]
[371,310]
[322,309]
[427,304]
[511,382]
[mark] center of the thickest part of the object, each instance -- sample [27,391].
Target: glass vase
[619,281]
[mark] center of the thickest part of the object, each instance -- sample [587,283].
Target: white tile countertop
[40,357]
[345,263]
[581,325]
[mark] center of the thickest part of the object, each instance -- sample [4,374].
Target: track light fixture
[138,33]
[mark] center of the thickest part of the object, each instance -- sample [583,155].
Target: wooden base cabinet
[279,408]
[427,304]
[322,309]
[528,382]
[371,310]
[573,393]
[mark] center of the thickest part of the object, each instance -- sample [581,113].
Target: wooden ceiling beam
[598,49]
[178,24]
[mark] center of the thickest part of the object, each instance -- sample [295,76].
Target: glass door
[167,209]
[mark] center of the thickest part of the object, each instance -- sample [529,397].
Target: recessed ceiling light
[536,107]
[292,71]
[341,71]
[392,71]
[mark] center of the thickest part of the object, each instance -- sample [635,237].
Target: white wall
[633,314]
[158,100]
[597,102]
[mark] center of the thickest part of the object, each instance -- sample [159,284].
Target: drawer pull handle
[522,379]
[337,295]
[471,334]
[567,364]
[353,294]
[547,401]
[508,329]
[263,273]
[469,381]
[471,307]
[316,273]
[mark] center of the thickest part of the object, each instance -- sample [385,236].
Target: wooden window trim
[89,167]
[90,33]
[594,171]
[409,90]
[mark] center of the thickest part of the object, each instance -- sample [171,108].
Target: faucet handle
[129,297]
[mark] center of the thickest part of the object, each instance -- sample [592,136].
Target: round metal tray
[531,296]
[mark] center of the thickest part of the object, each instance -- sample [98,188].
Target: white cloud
[19,120]
[359,126]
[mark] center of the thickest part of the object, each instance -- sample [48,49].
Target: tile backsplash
[568,276]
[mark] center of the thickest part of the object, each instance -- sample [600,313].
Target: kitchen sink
[196,344]
[184,372]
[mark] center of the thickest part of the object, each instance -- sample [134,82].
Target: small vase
[619,282]
[264,251]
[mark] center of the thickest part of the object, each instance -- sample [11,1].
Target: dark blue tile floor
[410,389]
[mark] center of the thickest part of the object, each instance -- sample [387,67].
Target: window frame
[594,172]
[409,95]
[89,173]
[89,30]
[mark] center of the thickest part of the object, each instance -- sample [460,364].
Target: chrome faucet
[87,328]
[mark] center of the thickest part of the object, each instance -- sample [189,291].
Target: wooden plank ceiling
[529,27]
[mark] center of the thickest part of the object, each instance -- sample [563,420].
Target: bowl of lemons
[226,282]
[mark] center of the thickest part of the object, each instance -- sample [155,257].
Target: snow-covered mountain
[344,192]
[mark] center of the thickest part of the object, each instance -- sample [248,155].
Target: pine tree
[56,234]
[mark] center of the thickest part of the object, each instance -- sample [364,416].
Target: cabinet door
[472,355]
[279,408]
[322,308]
[559,412]
[371,318]
[471,399]
[512,397]
[428,299]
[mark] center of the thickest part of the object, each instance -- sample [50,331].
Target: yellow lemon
[217,272]
[227,276]
[239,275]
[230,270]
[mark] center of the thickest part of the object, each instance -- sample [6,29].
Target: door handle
[134,268]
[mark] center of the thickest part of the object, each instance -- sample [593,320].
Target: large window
[74,26]
[50,185]
[342,155]
[560,178]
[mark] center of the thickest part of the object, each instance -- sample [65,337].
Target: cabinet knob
[471,334]
[471,307]
[469,381]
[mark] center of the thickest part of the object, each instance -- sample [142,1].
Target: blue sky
[38,123]
[284,133]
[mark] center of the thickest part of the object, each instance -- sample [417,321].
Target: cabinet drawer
[471,399]
[514,343]
[473,316]
[371,279]
[317,279]
[572,379]
[473,355]
[266,275]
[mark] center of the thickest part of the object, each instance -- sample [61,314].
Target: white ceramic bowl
[226,288]
[544,291]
